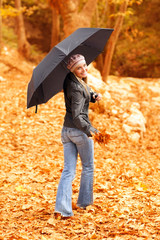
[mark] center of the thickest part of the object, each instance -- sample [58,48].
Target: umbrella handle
[36,108]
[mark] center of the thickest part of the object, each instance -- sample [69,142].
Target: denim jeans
[74,142]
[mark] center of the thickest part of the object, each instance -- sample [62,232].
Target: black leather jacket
[77,103]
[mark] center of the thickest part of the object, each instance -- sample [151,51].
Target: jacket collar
[73,77]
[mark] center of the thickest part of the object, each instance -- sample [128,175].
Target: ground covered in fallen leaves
[127,174]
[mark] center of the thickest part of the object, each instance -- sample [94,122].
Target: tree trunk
[55,27]
[113,40]
[72,18]
[23,45]
[0,27]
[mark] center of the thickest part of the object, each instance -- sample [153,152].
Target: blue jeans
[74,142]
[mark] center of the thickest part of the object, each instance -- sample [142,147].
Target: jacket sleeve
[77,103]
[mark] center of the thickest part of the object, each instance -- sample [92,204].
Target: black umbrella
[48,77]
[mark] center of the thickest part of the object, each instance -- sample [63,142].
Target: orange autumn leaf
[102,137]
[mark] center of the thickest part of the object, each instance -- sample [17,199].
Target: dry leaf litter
[127,166]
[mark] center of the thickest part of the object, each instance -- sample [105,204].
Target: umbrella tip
[36,109]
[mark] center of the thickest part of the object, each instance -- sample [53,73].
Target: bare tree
[55,32]
[72,16]
[55,27]
[0,26]
[23,45]
[113,40]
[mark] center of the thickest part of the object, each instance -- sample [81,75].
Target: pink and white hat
[74,61]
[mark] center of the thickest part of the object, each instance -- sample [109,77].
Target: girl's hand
[98,97]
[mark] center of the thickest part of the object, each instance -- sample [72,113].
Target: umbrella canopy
[48,77]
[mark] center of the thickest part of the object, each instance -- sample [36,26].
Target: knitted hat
[74,61]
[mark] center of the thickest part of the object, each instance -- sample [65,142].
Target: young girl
[76,138]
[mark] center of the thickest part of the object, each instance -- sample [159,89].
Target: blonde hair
[83,82]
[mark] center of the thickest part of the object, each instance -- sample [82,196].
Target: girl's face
[81,70]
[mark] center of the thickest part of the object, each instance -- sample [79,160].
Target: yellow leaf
[26,206]
[21,189]
[77,226]
[141,187]
[43,238]
[51,221]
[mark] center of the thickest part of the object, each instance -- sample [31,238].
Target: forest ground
[126,182]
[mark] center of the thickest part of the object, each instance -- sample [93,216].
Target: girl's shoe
[58,216]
